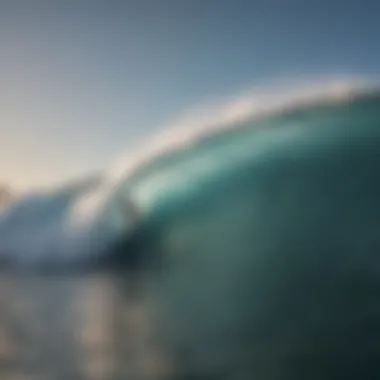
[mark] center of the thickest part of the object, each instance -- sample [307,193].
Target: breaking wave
[81,223]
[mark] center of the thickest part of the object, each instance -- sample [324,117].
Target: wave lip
[213,119]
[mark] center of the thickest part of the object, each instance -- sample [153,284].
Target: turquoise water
[256,256]
[298,137]
[268,242]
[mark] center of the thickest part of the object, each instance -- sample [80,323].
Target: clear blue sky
[82,80]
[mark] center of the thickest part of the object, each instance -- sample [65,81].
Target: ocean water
[249,252]
[72,327]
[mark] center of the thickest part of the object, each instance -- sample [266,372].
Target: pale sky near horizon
[81,81]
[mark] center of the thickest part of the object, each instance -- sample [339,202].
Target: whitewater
[80,223]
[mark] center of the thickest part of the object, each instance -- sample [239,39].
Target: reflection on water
[72,327]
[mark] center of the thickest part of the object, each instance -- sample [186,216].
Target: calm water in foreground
[70,327]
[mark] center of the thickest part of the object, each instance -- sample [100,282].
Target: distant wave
[81,222]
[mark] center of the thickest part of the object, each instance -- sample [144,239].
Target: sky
[83,81]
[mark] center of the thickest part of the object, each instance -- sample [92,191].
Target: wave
[81,223]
